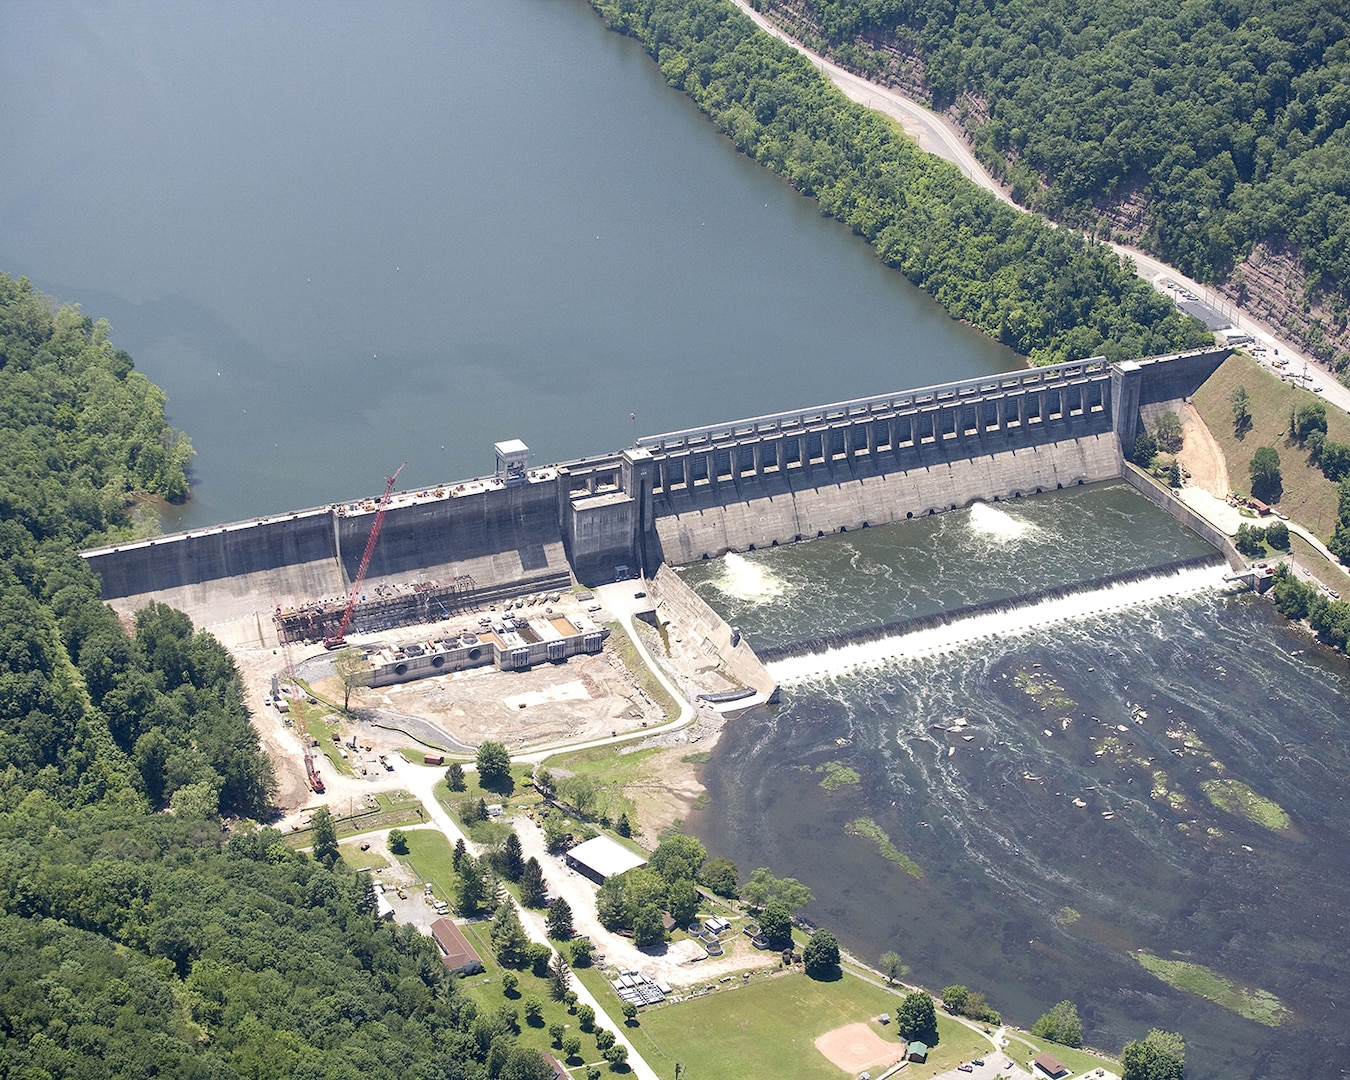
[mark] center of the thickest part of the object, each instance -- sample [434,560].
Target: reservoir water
[1046,764]
[343,235]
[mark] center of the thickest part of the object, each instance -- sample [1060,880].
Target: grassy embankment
[1309,497]
[393,808]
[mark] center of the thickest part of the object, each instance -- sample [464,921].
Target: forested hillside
[1211,132]
[1048,293]
[137,938]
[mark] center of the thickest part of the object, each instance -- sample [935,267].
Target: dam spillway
[672,498]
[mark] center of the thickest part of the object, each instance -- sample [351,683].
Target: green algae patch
[1252,1003]
[1043,690]
[1162,792]
[1237,798]
[872,831]
[837,775]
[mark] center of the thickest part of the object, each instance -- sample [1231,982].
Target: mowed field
[769,1028]
[1309,497]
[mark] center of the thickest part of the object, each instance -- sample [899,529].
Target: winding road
[940,137]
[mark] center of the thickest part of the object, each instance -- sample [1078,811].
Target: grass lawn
[486,990]
[1023,1049]
[431,858]
[1309,497]
[393,808]
[627,651]
[768,1028]
[522,795]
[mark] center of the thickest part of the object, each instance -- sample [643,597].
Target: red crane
[338,639]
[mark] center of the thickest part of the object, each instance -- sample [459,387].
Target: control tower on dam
[672,498]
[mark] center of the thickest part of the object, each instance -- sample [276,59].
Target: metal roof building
[602,858]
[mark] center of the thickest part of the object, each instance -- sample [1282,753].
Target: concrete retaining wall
[1164,499]
[678,603]
[770,510]
[673,498]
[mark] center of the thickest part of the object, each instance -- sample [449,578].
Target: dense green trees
[1160,1055]
[917,1019]
[494,767]
[82,430]
[1264,468]
[147,926]
[820,957]
[1217,126]
[1049,293]
[1061,1025]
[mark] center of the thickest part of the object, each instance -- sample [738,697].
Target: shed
[917,1051]
[602,858]
[456,952]
[1051,1066]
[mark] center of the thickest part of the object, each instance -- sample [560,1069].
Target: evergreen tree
[325,837]
[559,920]
[473,891]
[509,940]
[533,893]
[454,777]
[558,976]
[511,862]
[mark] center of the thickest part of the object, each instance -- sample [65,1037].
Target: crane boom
[337,640]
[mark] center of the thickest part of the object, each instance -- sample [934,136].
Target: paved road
[940,137]
[421,781]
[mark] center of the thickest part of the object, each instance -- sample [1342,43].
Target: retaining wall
[1164,499]
[687,610]
[768,511]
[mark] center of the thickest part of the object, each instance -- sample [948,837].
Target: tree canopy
[149,925]
[1160,1055]
[1200,131]
[1051,294]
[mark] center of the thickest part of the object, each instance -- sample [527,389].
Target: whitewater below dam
[1038,698]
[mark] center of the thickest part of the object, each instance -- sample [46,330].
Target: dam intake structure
[670,499]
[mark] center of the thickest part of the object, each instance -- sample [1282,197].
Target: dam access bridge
[669,499]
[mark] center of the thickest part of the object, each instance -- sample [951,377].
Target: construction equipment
[339,639]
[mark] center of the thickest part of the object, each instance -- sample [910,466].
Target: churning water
[1043,744]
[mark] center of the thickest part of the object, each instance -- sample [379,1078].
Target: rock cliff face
[1270,284]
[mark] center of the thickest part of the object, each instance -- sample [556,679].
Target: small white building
[602,858]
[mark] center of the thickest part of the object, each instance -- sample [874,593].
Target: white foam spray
[748,580]
[1015,620]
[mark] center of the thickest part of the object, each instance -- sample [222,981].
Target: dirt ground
[1200,454]
[855,1047]
[587,697]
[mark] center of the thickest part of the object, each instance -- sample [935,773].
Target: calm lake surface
[341,236]
[344,235]
[1051,757]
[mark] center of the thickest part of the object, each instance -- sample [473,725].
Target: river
[343,235]
[365,234]
[1045,764]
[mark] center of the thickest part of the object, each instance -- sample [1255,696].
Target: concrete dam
[669,499]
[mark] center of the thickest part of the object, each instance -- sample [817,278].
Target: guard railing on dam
[876,407]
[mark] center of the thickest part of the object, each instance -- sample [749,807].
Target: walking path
[421,781]
[941,138]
